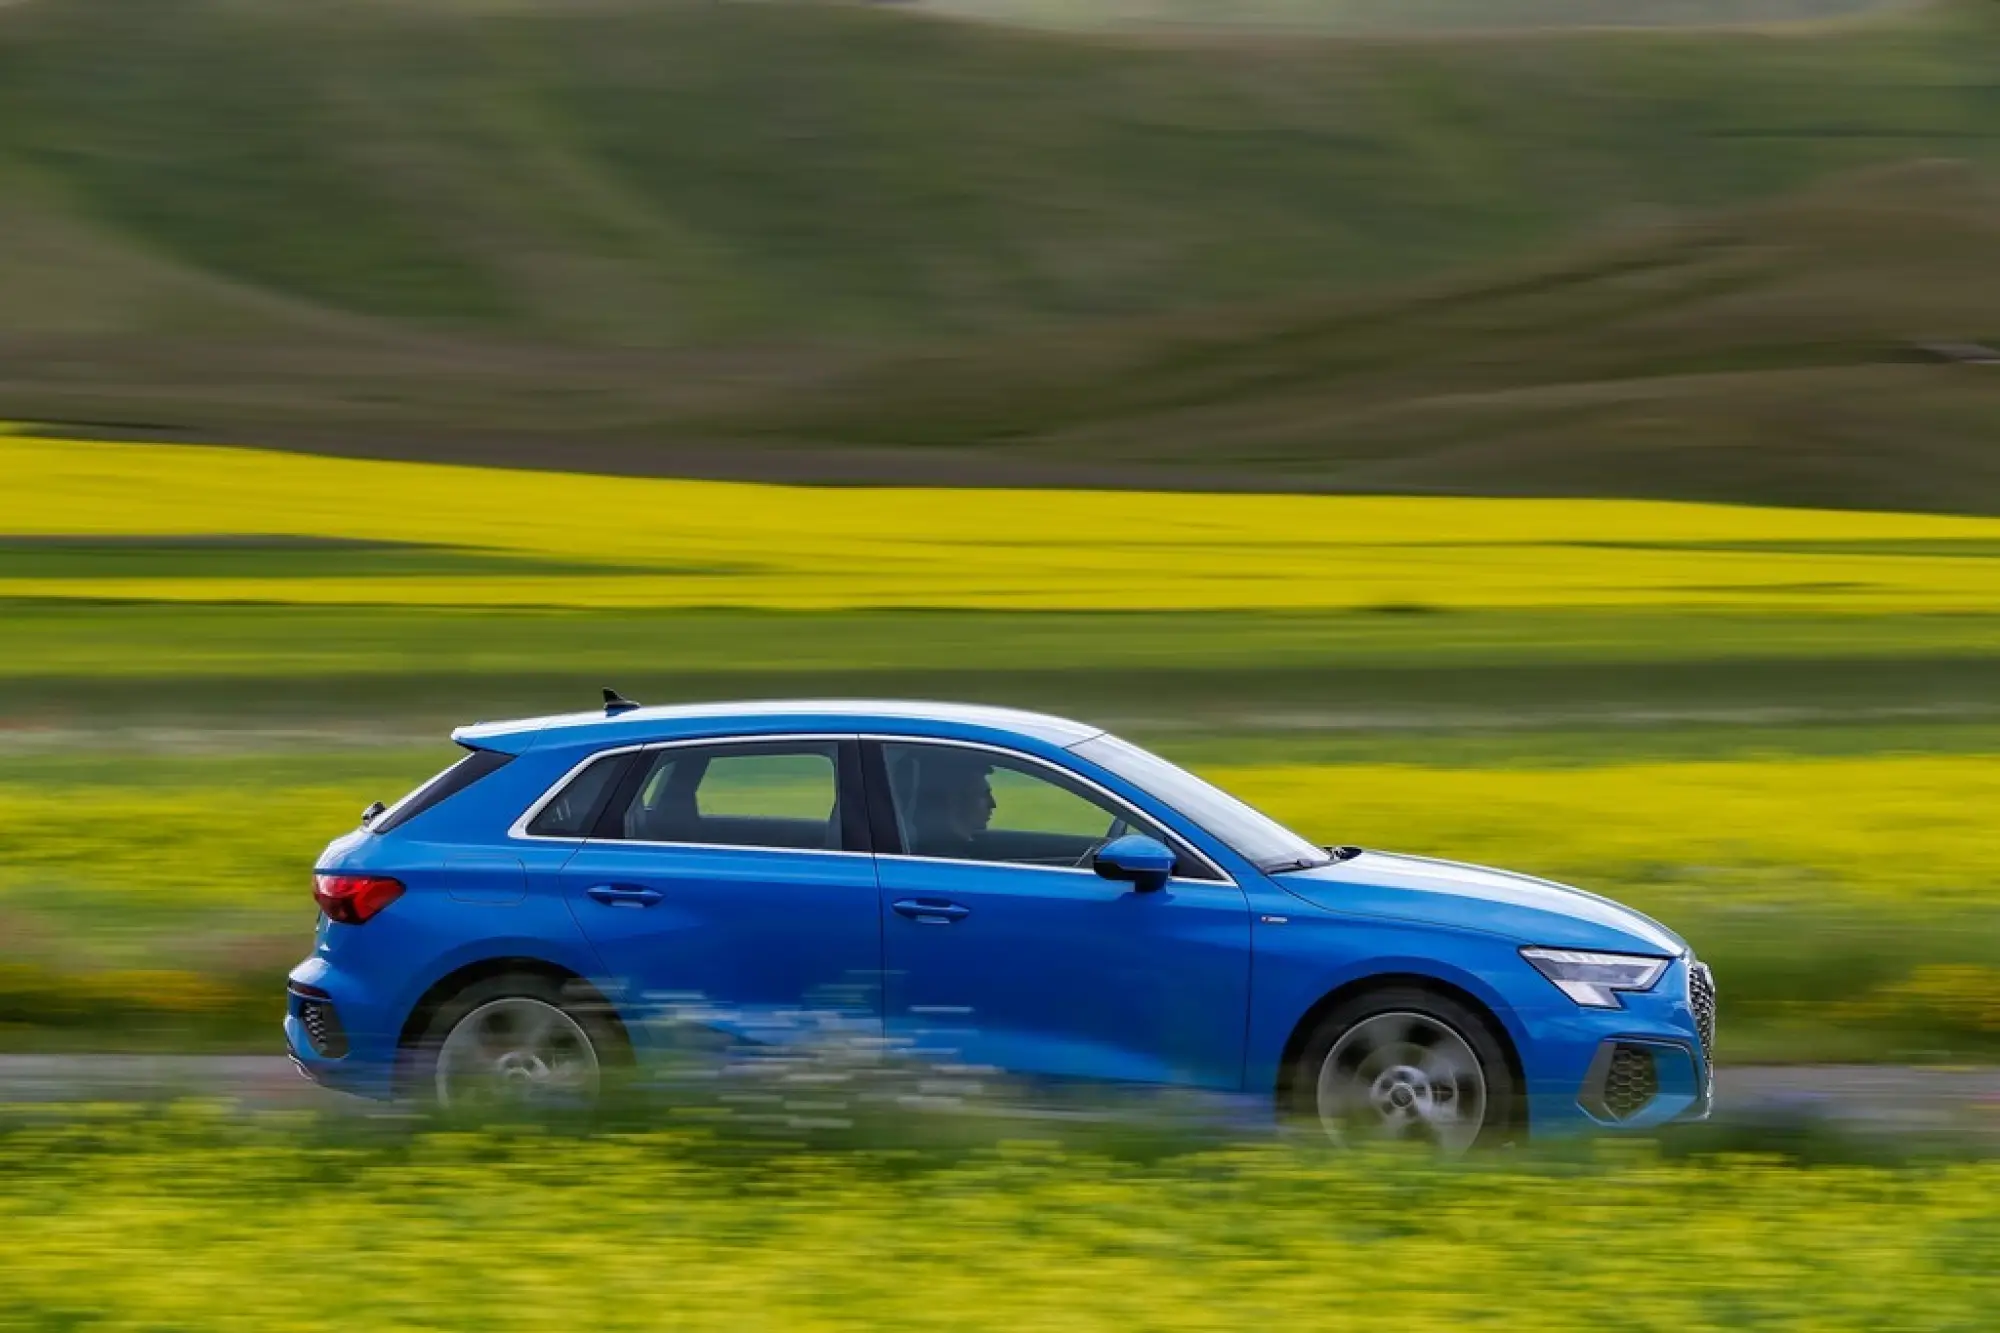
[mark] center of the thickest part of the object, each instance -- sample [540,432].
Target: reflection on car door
[1002,947]
[733,878]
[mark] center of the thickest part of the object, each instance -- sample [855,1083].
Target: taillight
[353,899]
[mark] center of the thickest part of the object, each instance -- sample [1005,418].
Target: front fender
[1301,956]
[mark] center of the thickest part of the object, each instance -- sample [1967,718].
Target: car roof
[914,717]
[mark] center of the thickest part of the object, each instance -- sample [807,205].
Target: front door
[729,883]
[1002,947]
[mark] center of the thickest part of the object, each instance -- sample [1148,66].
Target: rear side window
[778,794]
[575,807]
[441,788]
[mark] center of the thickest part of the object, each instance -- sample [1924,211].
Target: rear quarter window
[476,765]
[573,811]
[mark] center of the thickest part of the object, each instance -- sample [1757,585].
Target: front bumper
[1637,1067]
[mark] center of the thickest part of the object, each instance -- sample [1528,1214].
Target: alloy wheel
[517,1051]
[1403,1076]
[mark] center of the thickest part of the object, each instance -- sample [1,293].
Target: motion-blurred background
[1556,433]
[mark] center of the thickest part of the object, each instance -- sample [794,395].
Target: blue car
[1025,892]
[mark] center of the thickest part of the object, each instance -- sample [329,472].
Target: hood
[1447,893]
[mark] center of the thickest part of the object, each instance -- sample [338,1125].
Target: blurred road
[1862,1096]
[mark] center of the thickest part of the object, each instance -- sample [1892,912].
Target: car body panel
[1059,973]
[751,935]
[1045,972]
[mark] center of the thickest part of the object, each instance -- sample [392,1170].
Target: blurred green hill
[1396,16]
[848,242]
[1787,353]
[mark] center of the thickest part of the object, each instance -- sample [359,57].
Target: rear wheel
[517,1041]
[1405,1064]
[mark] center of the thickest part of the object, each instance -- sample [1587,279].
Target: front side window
[962,804]
[752,794]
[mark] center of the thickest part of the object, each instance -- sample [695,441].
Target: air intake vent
[323,1028]
[1631,1082]
[1624,1079]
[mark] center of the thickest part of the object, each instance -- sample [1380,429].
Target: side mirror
[368,816]
[1144,863]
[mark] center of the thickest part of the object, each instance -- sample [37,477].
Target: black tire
[1502,1119]
[610,1048]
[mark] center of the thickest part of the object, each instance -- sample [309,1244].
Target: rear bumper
[336,1039]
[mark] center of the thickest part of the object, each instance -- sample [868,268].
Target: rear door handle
[624,895]
[932,911]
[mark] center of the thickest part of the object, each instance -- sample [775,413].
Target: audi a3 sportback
[1029,893]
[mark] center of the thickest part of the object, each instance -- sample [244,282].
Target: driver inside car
[954,804]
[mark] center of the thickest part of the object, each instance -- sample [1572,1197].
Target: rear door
[731,881]
[1002,947]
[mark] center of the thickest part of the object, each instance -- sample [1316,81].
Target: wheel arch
[1308,1023]
[441,991]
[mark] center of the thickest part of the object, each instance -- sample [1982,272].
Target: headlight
[1594,979]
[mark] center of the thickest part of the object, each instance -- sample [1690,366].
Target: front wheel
[1405,1064]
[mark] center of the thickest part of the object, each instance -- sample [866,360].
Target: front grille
[1701,999]
[323,1028]
[1631,1082]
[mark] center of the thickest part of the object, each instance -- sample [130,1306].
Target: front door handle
[624,895]
[932,911]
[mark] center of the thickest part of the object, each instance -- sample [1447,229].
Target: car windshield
[1261,840]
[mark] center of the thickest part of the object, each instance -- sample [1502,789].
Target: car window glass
[468,770]
[964,804]
[1261,840]
[1029,803]
[753,795]
[570,814]
[749,786]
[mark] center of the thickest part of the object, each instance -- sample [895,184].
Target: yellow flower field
[684,543]
[134,1227]
[1802,832]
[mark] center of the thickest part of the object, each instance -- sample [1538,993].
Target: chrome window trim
[715,847]
[1057,870]
[518,830]
[1118,803]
